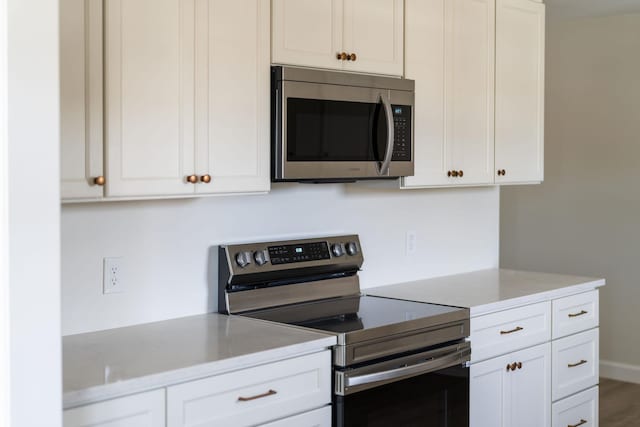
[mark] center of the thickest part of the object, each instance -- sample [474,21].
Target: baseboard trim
[620,371]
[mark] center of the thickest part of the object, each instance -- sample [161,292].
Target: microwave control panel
[402,133]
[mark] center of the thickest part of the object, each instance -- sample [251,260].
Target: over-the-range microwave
[329,126]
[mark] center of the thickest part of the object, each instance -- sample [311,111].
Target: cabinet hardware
[352,57]
[99,180]
[582,312]
[582,421]
[573,365]
[502,172]
[517,328]
[257,396]
[460,174]
[513,366]
[205,178]
[192,179]
[519,365]
[342,56]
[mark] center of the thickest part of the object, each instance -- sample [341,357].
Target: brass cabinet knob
[455,174]
[519,365]
[460,174]
[205,178]
[449,173]
[502,172]
[99,180]
[342,56]
[192,179]
[352,57]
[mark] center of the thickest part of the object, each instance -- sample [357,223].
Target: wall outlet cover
[112,282]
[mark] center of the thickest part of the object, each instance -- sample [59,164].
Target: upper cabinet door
[306,32]
[374,33]
[232,96]
[520,30]
[469,89]
[81,98]
[149,89]
[424,63]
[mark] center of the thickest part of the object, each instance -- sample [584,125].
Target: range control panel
[272,256]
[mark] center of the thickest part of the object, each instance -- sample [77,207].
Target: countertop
[117,362]
[487,291]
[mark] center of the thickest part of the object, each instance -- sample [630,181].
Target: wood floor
[619,404]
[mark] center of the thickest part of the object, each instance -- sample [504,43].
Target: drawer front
[510,330]
[253,396]
[578,410]
[575,314]
[574,363]
[318,418]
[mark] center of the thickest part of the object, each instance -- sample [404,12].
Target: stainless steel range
[398,363]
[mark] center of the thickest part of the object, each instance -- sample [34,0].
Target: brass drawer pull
[582,312]
[573,365]
[518,328]
[258,396]
[514,366]
[579,424]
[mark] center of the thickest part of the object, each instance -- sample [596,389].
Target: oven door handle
[444,361]
[384,167]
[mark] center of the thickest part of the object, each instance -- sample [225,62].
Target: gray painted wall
[585,218]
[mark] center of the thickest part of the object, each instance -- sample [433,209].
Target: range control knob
[337,249]
[260,257]
[243,259]
[352,248]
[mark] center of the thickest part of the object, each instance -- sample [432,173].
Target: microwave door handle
[384,168]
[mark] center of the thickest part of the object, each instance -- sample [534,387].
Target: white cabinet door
[81,98]
[232,96]
[138,410]
[424,63]
[318,418]
[469,89]
[374,32]
[149,90]
[307,32]
[504,397]
[519,139]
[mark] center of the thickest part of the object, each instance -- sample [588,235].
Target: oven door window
[436,399]
[335,131]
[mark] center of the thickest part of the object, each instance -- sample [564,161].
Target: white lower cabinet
[318,418]
[512,390]
[139,410]
[578,410]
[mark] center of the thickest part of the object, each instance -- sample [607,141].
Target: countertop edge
[76,398]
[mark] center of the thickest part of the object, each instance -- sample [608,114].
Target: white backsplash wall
[167,245]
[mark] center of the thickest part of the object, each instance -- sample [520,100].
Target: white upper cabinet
[314,33]
[520,35]
[81,99]
[449,47]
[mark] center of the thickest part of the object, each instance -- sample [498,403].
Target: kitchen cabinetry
[351,35]
[186,107]
[140,410]
[479,72]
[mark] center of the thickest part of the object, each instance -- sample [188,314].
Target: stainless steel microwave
[329,126]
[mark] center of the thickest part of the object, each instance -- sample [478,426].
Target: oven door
[333,132]
[429,389]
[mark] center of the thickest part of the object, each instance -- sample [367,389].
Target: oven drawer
[506,331]
[253,396]
[575,314]
[574,363]
[578,410]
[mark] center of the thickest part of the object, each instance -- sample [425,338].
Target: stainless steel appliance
[399,363]
[335,126]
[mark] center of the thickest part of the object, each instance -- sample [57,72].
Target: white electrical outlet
[112,276]
[412,242]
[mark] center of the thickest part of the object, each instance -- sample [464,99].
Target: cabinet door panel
[149,96]
[307,32]
[469,85]
[373,30]
[530,388]
[424,63]
[233,96]
[520,90]
[489,393]
[81,98]
[318,418]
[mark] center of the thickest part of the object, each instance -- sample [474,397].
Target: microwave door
[383,166]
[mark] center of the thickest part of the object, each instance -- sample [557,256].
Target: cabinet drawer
[318,418]
[575,314]
[509,330]
[253,396]
[574,363]
[579,409]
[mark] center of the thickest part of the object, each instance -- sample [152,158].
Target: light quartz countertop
[487,291]
[117,362]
